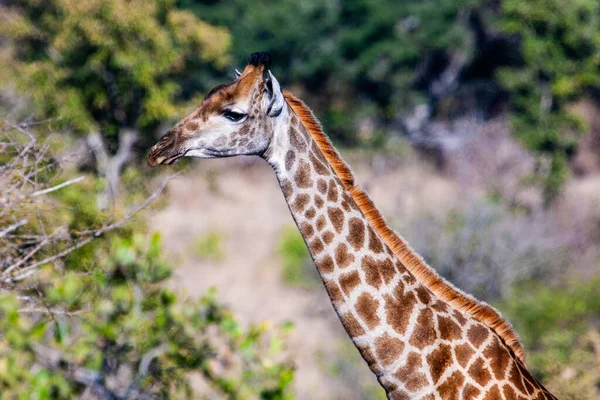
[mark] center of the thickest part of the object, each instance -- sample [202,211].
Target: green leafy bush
[117,330]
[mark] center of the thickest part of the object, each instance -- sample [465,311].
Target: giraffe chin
[162,160]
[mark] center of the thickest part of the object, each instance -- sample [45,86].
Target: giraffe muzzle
[165,151]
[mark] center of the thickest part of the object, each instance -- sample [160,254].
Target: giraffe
[422,337]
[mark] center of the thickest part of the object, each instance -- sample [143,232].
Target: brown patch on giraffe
[439,306]
[316,246]
[509,393]
[334,292]
[470,392]
[286,188]
[409,278]
[191,126]
[459,317]
[300,202]
[528,380]
[310,213]
[244,131]
[322,186]
[319,167]
[413,380]
[377,272]
[336,216]
[296,140]
[387,271]
[346,206]
[325,265]
[498,357]
[515,378]
[398,308]
[342,258]
[399,395]
[290,156]
[388,348]
[450,389]
[366,308]
[528,386]
[369,266]
[463,353]
[221,140]
[439,360]
[319,201]
[321,222]
[306,230]
[352,325]
[356,233]
[349,281]
[423,294]
[327,237]
[318,153]
[302,176]
[424,333]
[449,330]
[332,193]
[374,242]
[477,334]
[479,372]
[350,200]
[493,394]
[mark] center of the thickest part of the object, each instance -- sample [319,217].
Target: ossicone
[260,59]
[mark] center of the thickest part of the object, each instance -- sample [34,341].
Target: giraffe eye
[233,116]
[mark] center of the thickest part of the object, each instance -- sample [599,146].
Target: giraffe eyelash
[233,116]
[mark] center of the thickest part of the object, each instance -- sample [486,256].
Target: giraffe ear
[276,100]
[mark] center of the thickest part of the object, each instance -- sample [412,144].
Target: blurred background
[474,126]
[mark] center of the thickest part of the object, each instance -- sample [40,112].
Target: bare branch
[13,227]
[57,187]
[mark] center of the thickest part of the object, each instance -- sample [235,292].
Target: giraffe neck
[416,344]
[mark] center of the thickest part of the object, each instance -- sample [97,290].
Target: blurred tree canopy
[110,69]
[105,65]
[379,59]
[560,47]
[108,65]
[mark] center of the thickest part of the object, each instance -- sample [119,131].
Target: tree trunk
[110,166]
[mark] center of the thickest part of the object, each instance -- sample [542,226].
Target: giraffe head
[233,119]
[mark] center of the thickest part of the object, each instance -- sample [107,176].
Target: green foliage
[210,246]
[104,65]
[298,268]
[559,328]
[120,325]
[354,59]
[560,47]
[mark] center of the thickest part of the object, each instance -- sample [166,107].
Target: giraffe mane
[425,274]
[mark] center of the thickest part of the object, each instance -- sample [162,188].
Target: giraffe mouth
[156,160]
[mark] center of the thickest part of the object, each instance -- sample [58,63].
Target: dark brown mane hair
[410,259]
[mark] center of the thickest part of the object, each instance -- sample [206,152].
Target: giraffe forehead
[239,93]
